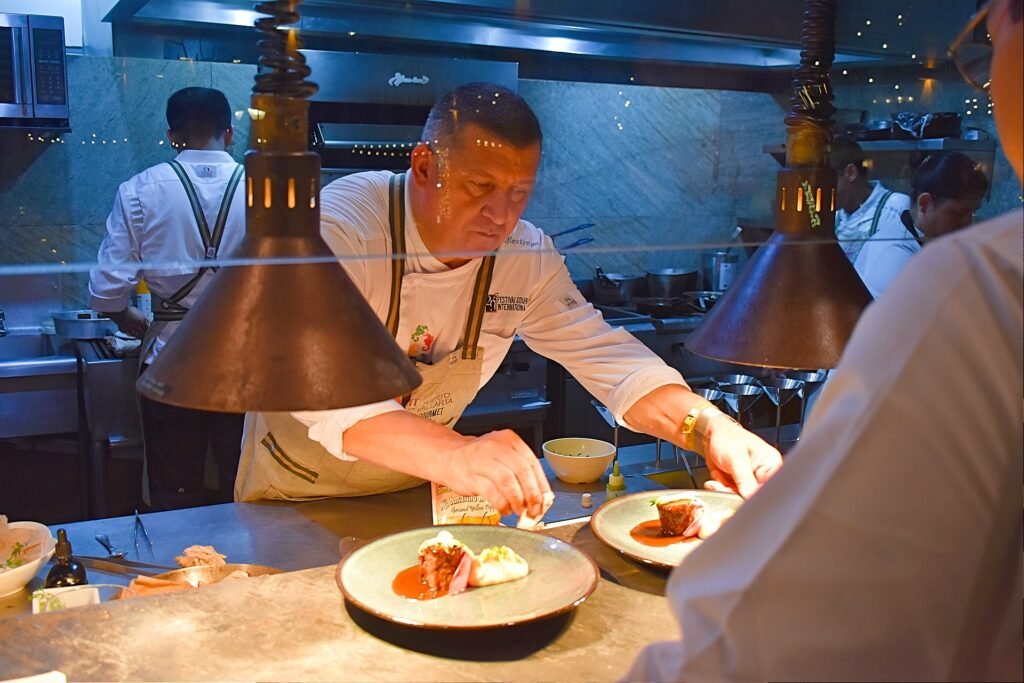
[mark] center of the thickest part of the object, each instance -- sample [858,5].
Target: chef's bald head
[493,108]
[198,114]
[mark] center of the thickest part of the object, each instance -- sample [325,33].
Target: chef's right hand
[131,321]
[500,467]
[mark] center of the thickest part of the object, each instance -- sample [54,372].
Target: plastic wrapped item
[943,124]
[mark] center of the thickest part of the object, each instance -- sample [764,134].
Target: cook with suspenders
[444,258]
[166,219]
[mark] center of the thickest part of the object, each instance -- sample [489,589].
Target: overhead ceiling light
[291,331]
[798,299]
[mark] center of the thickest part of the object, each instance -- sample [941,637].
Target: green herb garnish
[16,558]
[48,602]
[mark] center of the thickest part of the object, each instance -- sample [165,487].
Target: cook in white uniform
[863,207]
[457,313]
[179,212]
[947,188]
[889,546]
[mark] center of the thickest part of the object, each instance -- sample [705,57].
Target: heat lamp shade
[794,306]
[269,337]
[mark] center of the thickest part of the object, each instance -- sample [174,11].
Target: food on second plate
[497,565]
[680,514]
[201,556]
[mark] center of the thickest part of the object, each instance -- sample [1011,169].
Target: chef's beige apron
[171,310]
[280,461]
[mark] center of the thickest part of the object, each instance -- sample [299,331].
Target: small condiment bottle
[65,571]
[616,482]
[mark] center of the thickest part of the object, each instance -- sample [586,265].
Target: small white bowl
[13,580]
[578,460]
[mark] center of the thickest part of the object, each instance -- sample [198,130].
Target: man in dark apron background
[946,191]
[169,218]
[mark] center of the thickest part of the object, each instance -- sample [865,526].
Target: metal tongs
[138,529]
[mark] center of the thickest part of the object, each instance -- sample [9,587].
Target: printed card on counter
[450,507]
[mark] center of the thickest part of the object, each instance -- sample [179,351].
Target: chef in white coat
[475,275]
[889,546]
[864,207]
[946,190]
[183,211]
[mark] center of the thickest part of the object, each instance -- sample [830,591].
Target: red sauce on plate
[407,583]
[649,533]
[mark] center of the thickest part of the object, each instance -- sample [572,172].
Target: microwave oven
[33,71]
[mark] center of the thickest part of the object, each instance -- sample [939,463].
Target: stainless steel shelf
[873,147]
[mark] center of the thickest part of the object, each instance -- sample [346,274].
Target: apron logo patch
[569,302]
[497,302]
[206,171]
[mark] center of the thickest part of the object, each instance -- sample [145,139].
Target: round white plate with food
[389,578]
[632,525]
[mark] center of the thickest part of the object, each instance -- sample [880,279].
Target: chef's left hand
[738,460]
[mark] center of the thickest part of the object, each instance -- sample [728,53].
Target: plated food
[447,566]
[514,576]
[662,530]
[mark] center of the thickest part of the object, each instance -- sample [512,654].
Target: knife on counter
[116,566]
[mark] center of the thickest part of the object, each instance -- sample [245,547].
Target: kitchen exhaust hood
[370,109]
[731,44]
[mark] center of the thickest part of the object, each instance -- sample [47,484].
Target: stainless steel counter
[296,625]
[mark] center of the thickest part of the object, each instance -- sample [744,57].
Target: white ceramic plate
[613,521]
[561,577]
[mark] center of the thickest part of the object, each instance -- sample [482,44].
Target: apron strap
[396,219]
[878,212]
[477,306]
[169,309]
[908,223]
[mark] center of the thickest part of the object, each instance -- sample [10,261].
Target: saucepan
[701,302]
[614,288]
[667,283]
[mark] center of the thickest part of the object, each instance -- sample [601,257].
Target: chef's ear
[174,138]
[925,204]
[229,135]
[422,164]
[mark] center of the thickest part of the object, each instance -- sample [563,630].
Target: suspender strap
[396,217]
[170,309]
[908,223]
[477,306]
[878,212]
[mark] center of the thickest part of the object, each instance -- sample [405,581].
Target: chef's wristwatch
[695,425]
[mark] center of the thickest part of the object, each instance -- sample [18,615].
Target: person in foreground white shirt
[889,546]
[947,188]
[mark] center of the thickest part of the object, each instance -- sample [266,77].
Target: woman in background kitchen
[946,190]
[864,207]
[185,210]
[889,547]
[457,311]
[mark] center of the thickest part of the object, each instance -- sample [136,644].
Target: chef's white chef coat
[852,229]
[889,545]
[884,255]
[531,294]
[152,225]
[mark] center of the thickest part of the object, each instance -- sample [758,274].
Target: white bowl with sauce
[578,460]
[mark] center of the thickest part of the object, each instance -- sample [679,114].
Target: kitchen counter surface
[296,625]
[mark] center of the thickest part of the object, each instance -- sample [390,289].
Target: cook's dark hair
[198,113]
[846,151]
[496,109]
[949,175]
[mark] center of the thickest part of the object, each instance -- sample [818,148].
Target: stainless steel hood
[738,44]
[370,109]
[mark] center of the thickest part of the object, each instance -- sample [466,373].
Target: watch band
[695,426]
